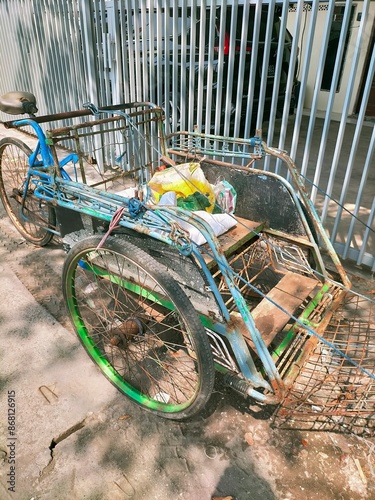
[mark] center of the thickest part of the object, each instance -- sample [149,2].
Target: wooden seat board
[236,237]
[289,293]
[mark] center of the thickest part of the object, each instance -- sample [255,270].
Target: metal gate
[300,71]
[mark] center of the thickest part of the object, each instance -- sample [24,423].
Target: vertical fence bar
[278,69]
[265,63]
[220,75]
[172,66]
[290,80]
[355,144]
[331,98]
[129,47]
[114,23]
[182,61]
[345,112]
[165,81]
[366,170]
[146,41]
[252,74]
[52,74]
[210,69]
[76,75]
[241,68]
[24,44]
[89,43]
[28,19]
[304,77]
[191,66]
[123,40]
[89,40]
[317,84]
[151,20]
[201,63]
[160,50]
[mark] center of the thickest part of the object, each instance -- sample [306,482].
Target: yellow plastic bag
[184,180]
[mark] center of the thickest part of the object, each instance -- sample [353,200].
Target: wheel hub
[125,332]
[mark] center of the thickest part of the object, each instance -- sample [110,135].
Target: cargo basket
[335,388]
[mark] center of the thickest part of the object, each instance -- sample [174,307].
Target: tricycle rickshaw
[201,262]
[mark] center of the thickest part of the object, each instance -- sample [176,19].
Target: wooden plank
[289,293]
[236,237]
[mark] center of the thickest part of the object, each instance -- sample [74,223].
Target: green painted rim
[106,366]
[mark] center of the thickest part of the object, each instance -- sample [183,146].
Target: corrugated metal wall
[222,66]
[41,45]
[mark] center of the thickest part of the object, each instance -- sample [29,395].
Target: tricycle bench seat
[235,238]
[289,294]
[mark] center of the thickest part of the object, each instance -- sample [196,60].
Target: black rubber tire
[14,165]
[138,326]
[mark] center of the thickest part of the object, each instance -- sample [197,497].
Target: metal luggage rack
[214,148]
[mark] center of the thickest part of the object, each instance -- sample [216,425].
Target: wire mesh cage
[127,139]
[335,389]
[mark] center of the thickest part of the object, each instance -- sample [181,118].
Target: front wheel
[31,216]
[138,326]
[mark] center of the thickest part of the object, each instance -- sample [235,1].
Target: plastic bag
[185,180]
[220,224]
[226,196]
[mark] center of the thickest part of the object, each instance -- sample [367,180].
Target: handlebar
[89,110]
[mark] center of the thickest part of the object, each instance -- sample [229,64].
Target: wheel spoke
[137,331]
[30,215]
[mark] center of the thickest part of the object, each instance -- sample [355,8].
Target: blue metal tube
[42,146]
[242,354]
[238,299]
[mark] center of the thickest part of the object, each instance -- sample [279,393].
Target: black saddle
[18,103]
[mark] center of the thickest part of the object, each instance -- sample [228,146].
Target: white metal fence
[297,70]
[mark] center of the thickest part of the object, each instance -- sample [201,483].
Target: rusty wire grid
[259,266]
[335,388]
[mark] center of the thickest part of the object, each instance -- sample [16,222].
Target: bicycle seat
[18,103]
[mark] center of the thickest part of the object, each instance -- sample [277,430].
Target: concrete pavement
[53,383]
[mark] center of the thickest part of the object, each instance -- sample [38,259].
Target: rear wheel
[138,326]
[30,215]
